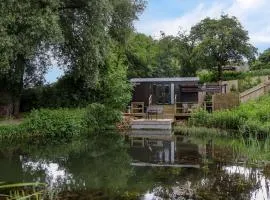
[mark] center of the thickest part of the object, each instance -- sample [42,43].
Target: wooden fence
[225,101]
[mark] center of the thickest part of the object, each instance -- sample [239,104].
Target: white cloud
[253,14]
[249,4]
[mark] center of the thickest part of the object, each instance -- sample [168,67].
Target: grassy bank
[252,118]
[61,125]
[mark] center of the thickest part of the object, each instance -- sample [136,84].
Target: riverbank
[60,125]
[252,118]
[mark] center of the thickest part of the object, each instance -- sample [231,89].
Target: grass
[6,122]
[252,118]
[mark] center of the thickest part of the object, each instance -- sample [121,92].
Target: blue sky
[170,16]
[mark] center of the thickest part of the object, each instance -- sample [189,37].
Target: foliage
[262,72]
[265,56]
[42,126]
[115,90]
[258,65]
[233,75]
[75,33]
[220,42]
[206,76]
[167,60]
[168,56]
[141,53]
[251,118]
[70,92]
[100,117]
[61,124]
[247,83]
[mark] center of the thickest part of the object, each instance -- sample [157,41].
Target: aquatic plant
[22,191]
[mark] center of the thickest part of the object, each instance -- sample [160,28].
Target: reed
[22,191]
[250,118]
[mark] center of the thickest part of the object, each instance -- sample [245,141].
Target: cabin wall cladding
[225,101]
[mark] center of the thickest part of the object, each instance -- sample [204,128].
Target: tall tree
[265,57]
[78,33]
[220,42]
[25,26]
[263,61]
[167,58]
[186,46]
[141,53]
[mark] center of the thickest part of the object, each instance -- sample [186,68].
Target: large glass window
[162,93]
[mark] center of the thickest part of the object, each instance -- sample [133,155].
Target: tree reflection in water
[99,168]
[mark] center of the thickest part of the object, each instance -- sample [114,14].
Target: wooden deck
[179,109]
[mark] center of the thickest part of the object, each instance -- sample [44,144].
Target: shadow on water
[144,166]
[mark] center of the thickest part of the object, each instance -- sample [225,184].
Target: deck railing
[137,107]
[185,107]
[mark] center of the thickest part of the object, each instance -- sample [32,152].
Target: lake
[107,166]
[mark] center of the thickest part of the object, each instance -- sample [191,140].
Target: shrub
[47,125]
[232,75]
[206,76]
[100,117]
[60,124]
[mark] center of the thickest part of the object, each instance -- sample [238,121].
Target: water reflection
[150,149]
[149,165]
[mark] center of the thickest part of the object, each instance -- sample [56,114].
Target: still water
[140,167]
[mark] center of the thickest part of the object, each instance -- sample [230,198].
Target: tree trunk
[17,84]
[5,104]
[219,72]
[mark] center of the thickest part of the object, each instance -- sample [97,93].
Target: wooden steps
[156,124]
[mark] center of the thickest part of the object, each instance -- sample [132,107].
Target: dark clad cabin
[165,90]
[175,94]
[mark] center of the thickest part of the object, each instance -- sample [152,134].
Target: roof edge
[173,79]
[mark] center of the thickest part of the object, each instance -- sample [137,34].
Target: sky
[170,16]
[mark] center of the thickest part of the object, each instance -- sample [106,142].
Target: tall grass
[252,118]
[22,191]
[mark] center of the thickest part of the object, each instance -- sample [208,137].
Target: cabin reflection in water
[158,149]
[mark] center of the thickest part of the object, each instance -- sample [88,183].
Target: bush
[207,76]
[232,75]
[47,125]
[100,117]
[60,124]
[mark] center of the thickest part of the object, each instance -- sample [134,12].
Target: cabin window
[162,93]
